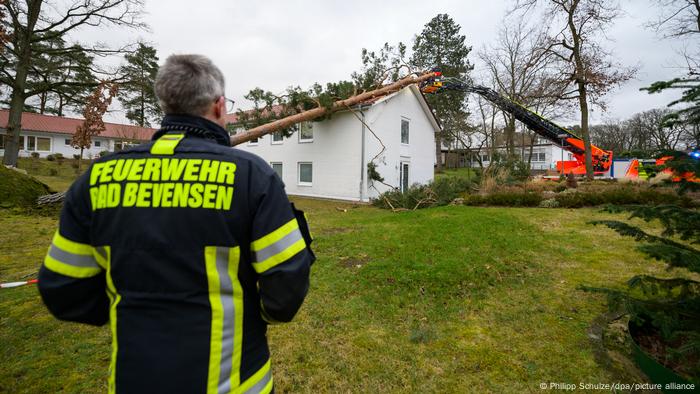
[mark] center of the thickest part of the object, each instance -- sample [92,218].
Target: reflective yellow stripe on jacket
[72,258]
[277,246]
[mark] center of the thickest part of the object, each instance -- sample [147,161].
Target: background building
[48,134]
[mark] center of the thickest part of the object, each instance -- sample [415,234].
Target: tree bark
[14,121]
[318,112]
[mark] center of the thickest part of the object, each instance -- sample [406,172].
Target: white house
[48,134]
[329,158]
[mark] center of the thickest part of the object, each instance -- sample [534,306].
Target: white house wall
[336,151]
[384,118]
[334,154]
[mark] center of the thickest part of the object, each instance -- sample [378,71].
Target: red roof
[63,125]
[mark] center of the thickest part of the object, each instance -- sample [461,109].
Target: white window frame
[36,144]
[408,136]
[272,138]
[254,142]
[299,182]
[67,142]
[272,164]
[403,165]
[306,140]
[98,142]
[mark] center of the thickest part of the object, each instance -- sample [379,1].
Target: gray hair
[188,84]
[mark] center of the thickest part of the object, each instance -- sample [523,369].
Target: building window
[277,166]
[542,157]
[277,137]
[253,141]
[305,174]
[42,144]
[306,132]
[67,141]
[4,138]
[484,157]
[403,175]
[97,144]
[404,131]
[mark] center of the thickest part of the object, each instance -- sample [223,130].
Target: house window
[67,141]
[42,144]
[278,168]
[253,141]
[404,176]
[484,157]
[542,157]
[277,137]
[97,144]
[305,174]
[4,138]
[306,132]
[404,131]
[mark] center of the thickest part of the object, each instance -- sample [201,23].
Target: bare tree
[520,66]
[34,22]
[586,71]
[677,18]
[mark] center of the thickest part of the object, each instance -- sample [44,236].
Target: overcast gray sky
[275,44]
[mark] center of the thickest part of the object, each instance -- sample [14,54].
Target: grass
[19,190]
[446,299]
[58,176]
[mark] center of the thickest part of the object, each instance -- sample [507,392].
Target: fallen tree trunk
[318,112]
[51,198]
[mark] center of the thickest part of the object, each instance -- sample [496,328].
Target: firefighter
[187,247]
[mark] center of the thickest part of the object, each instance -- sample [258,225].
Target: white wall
[334,154]
[336,151]
[384,117]
[58,145]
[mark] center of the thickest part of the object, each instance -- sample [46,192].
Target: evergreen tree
[671,307]
[441,45]
[137,93]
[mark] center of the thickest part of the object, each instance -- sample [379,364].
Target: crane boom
[547,129]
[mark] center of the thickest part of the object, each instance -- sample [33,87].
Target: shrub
[104,153]
[441,191]
[76,156]
[506,199]
[624,195]
[549,203]
[35,155]
[51,158]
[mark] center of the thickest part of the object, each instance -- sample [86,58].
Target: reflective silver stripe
[76,260]
[226,294]
[258,387]
[279,246]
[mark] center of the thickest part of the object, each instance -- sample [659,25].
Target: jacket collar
[193,126]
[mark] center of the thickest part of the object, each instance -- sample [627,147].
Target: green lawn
[451,299]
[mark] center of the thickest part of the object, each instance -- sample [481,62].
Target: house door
[403,175]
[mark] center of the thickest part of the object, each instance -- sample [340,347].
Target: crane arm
[549,130]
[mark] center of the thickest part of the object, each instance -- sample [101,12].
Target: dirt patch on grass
[335,230]
[353,261]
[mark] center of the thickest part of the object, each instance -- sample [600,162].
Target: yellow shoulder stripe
[166,144]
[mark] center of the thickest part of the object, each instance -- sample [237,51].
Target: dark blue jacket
[188,248]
